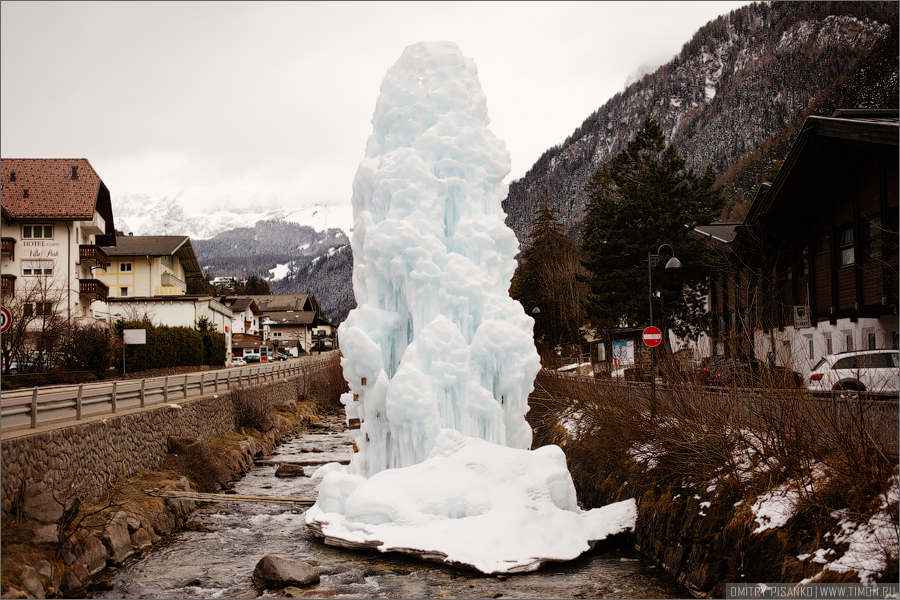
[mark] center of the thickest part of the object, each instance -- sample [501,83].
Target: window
[871,337]
[37,232]
[37,309]
[37,267]
[846,363]
[123,291]
[812,347]
[276,334]
[829,349]
[823,242]
[125,267]
[848,252]
[873,237]
[848,342]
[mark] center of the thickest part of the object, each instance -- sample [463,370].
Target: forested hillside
[327,277]
[732,98]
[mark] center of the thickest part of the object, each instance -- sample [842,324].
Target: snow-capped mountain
[149,214]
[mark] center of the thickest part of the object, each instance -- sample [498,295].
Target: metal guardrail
[30,408]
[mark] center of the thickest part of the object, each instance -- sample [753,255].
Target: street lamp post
[652,261]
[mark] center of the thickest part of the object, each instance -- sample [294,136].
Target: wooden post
[143,381]
[166,389]
[34,408]
[78,401]
[202,375]
[114,396]
[184,387]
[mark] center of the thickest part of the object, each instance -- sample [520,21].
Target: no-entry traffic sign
[652,336]
[5,319]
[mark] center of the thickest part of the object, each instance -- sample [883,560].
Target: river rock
[275,572]
[82,548]
[49,573]
[32,583]
[40,504]
[118,540]
[289,470]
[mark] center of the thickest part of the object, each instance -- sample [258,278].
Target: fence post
[34,408]
[78,401]
[143,381]
[184,387]
[114,396]
[202,375]
[166,389]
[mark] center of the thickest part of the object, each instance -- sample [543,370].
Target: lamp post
[652,261]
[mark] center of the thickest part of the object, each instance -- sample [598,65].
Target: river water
[218,563]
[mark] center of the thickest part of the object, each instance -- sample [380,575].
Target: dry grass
[727,448]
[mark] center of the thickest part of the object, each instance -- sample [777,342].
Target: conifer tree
[547,280]
[643,198]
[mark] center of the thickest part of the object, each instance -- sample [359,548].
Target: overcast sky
[271,102]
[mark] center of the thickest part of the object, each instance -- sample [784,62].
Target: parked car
[280,356]
[753,373]
[709,370]
[873,371]
[238,362]
[251,358]
[31,364]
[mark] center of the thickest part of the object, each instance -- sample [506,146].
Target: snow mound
[471,503]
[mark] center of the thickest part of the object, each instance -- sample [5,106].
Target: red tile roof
[53,193]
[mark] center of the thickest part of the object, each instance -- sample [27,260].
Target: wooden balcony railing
[8,246]
[93,253]
[7,284]
[93,287]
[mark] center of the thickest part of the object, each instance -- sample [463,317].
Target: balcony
[7,284]
[96,226]
[94,288]
[169,280]
[8,247]
[94,254]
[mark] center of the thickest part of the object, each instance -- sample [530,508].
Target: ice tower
[436,342]
[440,360]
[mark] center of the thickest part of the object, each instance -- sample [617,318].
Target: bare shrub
[251,410]
[199,464]
[323,385]
[838,457]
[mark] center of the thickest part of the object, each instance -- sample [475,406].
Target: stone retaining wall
[84,460]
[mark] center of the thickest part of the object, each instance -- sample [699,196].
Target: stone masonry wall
[84,460]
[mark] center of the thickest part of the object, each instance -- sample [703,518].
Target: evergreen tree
[254,286]
[642,199]
[546,280]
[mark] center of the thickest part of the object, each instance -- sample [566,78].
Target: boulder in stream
[289,470]
[275,572]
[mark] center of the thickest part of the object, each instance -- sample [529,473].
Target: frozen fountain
[439,359]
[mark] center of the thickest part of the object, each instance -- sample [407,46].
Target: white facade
[48,255]
[184,311]
[799,349]
[130,276]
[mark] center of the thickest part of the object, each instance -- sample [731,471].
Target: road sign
[652,336]
[5,319]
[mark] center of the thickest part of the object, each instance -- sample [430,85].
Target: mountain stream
[218,563]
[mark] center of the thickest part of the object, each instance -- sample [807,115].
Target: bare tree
[38,325]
